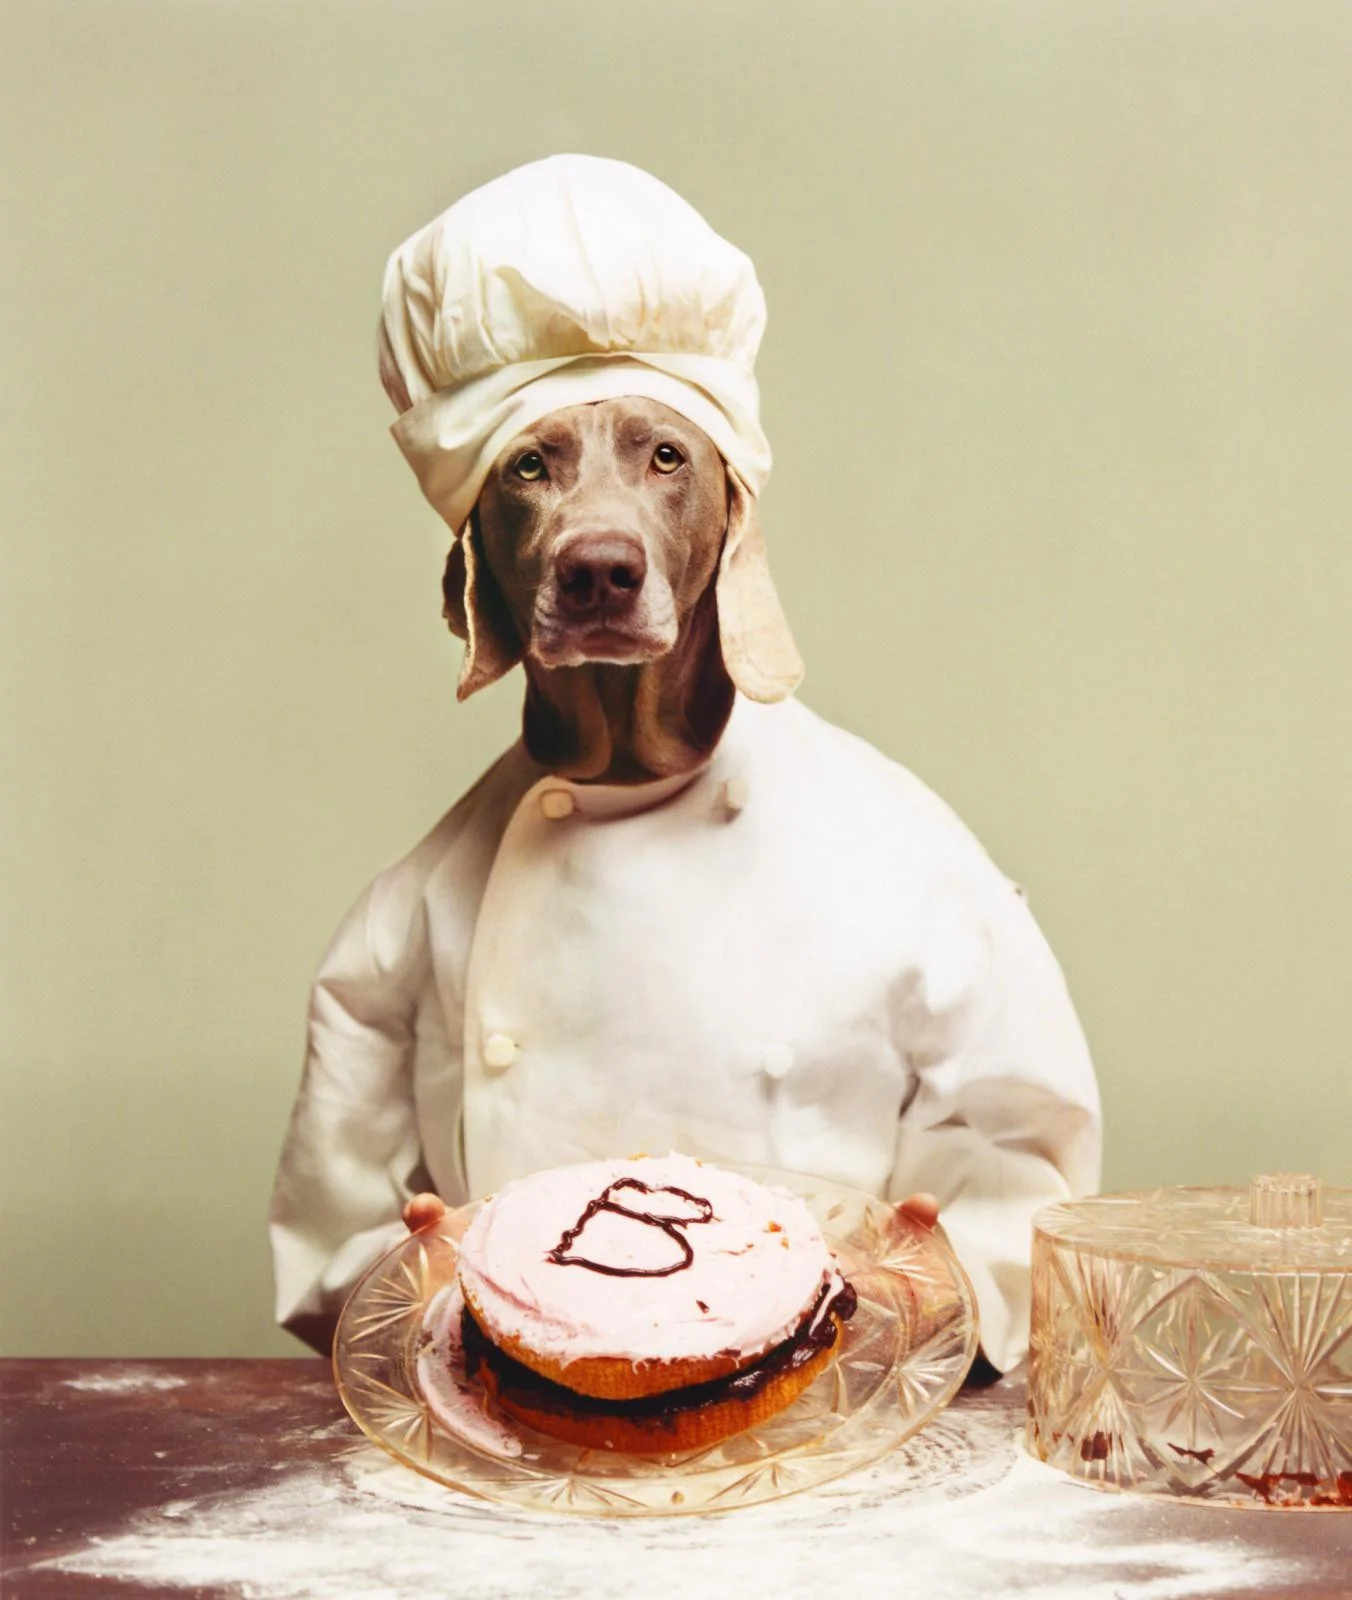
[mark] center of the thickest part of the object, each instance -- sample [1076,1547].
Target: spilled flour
[959,1513]
[125,1382]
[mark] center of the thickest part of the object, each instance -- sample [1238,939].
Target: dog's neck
[601,723]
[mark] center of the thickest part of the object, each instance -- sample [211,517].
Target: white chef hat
[570,280]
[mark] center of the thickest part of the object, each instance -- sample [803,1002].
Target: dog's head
[602,534]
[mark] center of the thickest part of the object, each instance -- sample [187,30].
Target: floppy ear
[758,649]
[476,612]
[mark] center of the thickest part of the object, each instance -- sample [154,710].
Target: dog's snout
[601,572]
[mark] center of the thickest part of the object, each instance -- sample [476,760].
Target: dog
[682,912]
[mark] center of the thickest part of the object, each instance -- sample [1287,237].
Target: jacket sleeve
[352,1155]
[1004,1112]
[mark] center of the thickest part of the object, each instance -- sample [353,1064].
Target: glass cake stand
[1198,1343]
[902,1357]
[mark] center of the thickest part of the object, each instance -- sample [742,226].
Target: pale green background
[1059,376]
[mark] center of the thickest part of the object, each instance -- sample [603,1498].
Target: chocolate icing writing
[671,1226]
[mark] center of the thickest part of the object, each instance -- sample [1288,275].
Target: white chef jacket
[796,956]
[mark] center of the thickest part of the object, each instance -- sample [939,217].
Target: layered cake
[655,1304]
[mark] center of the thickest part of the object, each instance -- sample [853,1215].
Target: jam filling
[815,1333]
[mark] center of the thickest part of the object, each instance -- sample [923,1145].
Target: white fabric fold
[452,438]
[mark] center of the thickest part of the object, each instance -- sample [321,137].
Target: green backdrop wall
[1059,376]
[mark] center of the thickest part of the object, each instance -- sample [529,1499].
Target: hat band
[452,438]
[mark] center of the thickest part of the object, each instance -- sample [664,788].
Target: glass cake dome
[1198,1342]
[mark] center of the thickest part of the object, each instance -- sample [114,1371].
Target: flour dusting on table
[957,1514]
[124,1382]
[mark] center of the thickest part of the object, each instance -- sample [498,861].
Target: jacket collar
[723,775]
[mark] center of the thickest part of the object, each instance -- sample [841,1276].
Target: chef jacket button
[777,1060]
[499,1051]
[736,793]
[557,804]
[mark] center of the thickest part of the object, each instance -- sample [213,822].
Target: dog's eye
[666,458]
[531,466]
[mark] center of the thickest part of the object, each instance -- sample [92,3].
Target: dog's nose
[601,572]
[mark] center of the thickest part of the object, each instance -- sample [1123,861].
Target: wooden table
[245,1479]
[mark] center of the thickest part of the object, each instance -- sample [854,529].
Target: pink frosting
[756,1267]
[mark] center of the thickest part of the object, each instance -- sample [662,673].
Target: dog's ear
[476,612]
[758,649]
